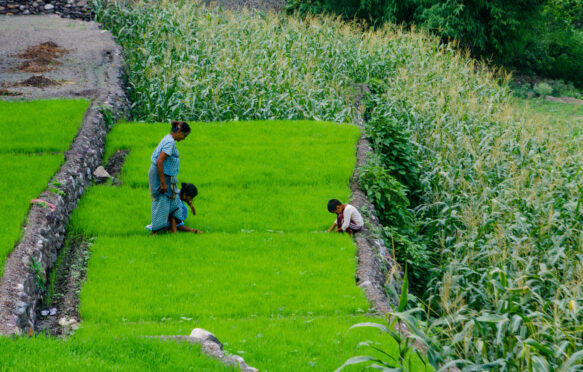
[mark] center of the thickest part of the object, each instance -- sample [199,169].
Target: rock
[21,307]
[49,7]
[100,173]
[202,336]
[69,323]
[213,349]
[236,360]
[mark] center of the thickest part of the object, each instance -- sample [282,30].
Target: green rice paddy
[35,135]
[265,277]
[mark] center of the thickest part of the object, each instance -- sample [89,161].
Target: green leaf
[492,318]
[404,297]
[575,358]
[371,325]
[357,360]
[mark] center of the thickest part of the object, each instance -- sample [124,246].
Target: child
[349,219]
[186,193]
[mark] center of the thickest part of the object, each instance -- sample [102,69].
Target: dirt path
[79,70]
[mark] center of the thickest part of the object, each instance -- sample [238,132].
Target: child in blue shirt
[186,194]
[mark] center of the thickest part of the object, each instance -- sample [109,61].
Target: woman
[162,178]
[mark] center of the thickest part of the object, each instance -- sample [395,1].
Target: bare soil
[41,57]
[63,50]
[115,164]
[37,81]
[45,51]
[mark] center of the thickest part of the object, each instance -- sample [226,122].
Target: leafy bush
[400,231]
[543,89]
[564,89]
[385,126]
[375,12]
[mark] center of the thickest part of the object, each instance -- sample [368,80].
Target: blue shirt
[171,163]
[184,210]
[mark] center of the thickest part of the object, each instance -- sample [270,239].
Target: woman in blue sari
[162,179]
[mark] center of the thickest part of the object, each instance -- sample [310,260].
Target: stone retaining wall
[44,233]
[77,9]
[377,269]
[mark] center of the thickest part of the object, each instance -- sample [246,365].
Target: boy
[349,219]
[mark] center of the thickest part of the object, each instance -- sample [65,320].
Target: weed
[54,190]
[39,273]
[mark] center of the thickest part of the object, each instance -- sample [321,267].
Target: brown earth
[37,81]
[41,57]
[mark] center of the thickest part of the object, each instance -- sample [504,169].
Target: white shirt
[351,214]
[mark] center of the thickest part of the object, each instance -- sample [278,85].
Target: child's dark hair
[180,126]
[332,204]
[188,189]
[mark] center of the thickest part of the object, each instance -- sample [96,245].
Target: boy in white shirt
[349,219]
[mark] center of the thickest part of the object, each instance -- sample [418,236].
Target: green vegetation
[40,126]
[533,36]
[33,133]
[188,62]
[496,211]
[568,117]
[102,353]
[265,277]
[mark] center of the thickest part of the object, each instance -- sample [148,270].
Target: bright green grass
[39,129]
[271,162]
[221,275]
[40,126]
[280,133]
[101,352]
[291,343]
[24,178]
[219,209]
[265,278]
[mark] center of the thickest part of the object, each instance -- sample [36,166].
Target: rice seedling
[102,352]
[40,126]
[32,133]
[221,208]
[290,343]
[29,175]
[220,275]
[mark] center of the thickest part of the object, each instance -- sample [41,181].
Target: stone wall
[377,269]
[77,9]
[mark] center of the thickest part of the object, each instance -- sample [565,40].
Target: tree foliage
[534,36]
